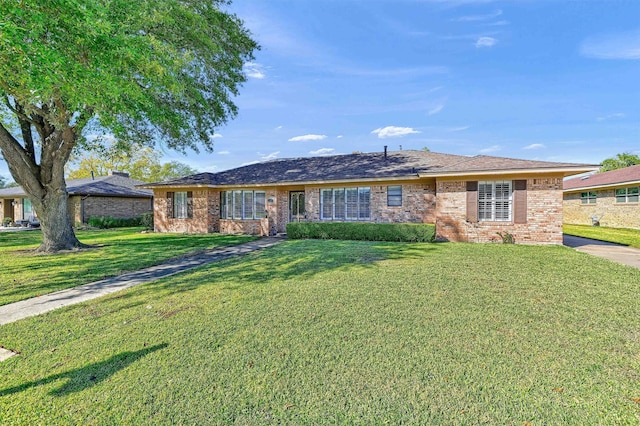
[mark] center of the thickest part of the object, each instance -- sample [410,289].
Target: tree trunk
[57,232]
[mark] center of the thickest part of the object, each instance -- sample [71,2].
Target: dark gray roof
[397,164]
[104,186]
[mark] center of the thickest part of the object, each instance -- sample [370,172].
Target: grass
[317,332]
[25,274]
[626,236]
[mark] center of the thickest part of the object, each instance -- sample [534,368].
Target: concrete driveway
[615,252]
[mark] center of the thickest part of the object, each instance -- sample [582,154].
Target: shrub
[407,232]
[146,220]
[106,222]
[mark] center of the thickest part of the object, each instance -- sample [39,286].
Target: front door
[296,206]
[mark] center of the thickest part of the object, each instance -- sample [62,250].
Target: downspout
[82,206]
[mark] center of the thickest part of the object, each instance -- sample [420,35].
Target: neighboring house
[115,195]
[607,198]
[468,198]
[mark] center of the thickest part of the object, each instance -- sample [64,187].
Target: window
[588,197]
[180,201]
[242,204]
[495,200]
[394,195]
[27,209]
[345,203]
[627,195]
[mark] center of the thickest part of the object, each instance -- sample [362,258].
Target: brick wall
[610,213]
[544,214]
[247,226]
[418,203]
[199,224]
[119,207]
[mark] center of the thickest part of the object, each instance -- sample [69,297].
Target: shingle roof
[105,186]
[613,177]
[397,164]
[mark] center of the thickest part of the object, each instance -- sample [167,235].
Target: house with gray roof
[115,195]
[609,199]
[467,198]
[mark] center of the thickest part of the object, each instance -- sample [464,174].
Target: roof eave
[566,171]
[603,186]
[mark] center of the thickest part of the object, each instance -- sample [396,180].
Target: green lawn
[626,236]
[25,274]
[317,332]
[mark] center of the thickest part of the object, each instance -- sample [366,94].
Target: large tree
[146,71]
[620,161]
[142,163]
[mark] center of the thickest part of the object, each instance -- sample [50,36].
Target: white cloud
[307,138]
[248,163]
[393,132]
[492,148]
[459,129]
[322,151]
[225,152]
[611,116]
[435,109]
[475,18]
[267,157]
[254,70]
[624,45]
[278,128]
[497,23]
[534,146]
[339,137]
[215,136]
[486,42]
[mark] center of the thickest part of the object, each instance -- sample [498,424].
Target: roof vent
[123,174]
[585,177]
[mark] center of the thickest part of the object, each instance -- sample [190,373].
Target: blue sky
[547,80]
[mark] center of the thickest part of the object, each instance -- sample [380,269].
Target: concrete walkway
[616,252]
[48,302]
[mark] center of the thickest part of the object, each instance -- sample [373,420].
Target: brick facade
[543,218]
[81,209]
[606,209]
[442,202]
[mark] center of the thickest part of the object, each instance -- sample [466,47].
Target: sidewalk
[616,252]
[48,302]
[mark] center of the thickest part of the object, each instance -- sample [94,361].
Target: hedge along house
[115,195]
[609,198]
[468,198]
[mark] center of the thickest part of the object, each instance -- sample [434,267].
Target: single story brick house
[115,195]
[608,198]
[468,198]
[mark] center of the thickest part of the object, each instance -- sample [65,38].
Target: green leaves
[145,68]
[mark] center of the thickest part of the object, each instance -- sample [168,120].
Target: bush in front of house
[402,232]
[105,222]
[146,220]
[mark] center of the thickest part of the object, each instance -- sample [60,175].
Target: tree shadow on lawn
[88,376]
[297,259]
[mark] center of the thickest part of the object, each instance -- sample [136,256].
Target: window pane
[363,203]
[248,204]
[394,195]
[237,204]
[261,207]
[180,205]
[351,196]
[339,203]
[326,199]
[495,200]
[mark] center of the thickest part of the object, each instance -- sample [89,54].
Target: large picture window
[627,195]
[345,203]
[242,204]
[495,200]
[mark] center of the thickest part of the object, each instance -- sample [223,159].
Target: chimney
[385,152]
[92,176]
